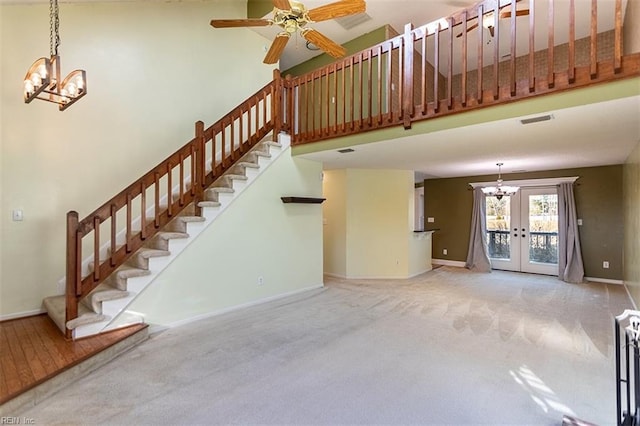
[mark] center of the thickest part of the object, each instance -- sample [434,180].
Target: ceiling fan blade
[507,13]
[231,23]
[276,48]
[282,4]
[323,42]
[471,27]
[337,10]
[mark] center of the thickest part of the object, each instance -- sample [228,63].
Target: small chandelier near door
[499,190]
[43,79]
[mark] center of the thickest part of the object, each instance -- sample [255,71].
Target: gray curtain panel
[478,254]
[570,266]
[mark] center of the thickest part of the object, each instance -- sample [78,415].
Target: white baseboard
[22,314]
[242,306]
[604,280]
[329,274]
[633,302]
[444,262]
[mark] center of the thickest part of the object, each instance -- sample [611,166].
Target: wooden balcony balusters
[431,70]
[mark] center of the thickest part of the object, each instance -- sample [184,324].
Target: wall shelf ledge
[302,200]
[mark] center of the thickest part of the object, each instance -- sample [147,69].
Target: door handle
[523,235]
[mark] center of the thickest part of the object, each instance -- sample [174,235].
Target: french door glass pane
[498,224]
[543,228]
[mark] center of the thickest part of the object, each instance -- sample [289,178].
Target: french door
[522,231]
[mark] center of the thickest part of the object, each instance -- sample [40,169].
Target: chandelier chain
[54,25]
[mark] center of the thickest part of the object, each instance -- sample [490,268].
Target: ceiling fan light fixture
[500,190]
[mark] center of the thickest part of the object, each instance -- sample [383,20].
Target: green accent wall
[599,204]
[354,46]
[258,8]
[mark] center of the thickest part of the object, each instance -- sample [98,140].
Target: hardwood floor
[33,350]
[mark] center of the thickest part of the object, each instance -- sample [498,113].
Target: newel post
[288,107]
[74,282]
[276,104]
[407,69]
[199,180]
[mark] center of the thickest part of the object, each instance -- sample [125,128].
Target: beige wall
[258,236]
[631,190]
[631,35]
[334,213]
[153,69]
[369,225]
[378,222]
[598,202]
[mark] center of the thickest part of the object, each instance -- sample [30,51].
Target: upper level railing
[490,53]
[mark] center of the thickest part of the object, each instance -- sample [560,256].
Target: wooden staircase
[114,252]
[105,307]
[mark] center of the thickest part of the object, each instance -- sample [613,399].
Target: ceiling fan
[488,19]
[293,16]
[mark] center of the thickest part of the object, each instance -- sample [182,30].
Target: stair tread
[235,176]
[168,235]
[209,204]
[103,293]
[223,189]
[248,164]
[146,252]
[128,271]
[192,218]
[56,308]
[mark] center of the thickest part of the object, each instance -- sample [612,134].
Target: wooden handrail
[179,180]
[433,70]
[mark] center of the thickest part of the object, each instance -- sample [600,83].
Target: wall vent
[345,150]
[352,21]
[537,119]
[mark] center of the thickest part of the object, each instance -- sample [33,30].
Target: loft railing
[543,246]
[448,66]
[115,230]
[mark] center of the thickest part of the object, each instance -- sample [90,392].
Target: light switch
[17,215]
[579,222]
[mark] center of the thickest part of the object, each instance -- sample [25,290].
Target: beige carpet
[447,347]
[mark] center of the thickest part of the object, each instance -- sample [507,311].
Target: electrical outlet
[17,215]
[430,220]
[445,251]
[579,222]
[605,264]
[260,281]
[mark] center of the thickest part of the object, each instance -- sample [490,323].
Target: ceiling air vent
[345,150]
[537,119]
[352,21]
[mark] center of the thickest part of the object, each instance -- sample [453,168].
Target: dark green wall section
[258,8]
[598,202]
[354,46]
